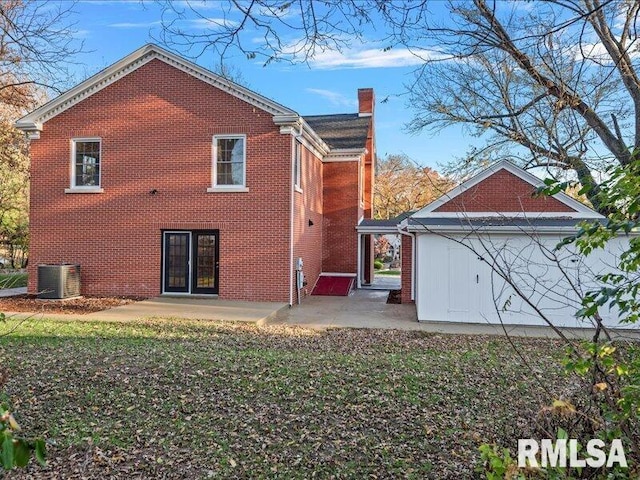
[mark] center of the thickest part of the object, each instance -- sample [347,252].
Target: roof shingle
[344,130]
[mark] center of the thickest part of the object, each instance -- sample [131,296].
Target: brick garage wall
[156,126]
[341,215]
[406,272]
[502,192]
[308,206]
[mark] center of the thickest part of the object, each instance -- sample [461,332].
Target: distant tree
[14,192]
[402,186]
[37,47]
[381,247]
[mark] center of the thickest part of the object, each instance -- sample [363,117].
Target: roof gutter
[489,229]
[294,123]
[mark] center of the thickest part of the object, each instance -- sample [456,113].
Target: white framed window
[297,165]
[86,167]
[229,163]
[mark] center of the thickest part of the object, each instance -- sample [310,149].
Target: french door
[190,262]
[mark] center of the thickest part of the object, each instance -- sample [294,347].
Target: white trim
[292,280]
[73,188]
[490,228]
[34,120]
[84,190]
[229,189]
[345,155]
[428,211]
[294,124]
[359,261]
[214,162]
[365,114]
[382,230]
[531,215]
[338,274]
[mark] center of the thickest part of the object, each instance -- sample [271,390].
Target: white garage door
[458,284]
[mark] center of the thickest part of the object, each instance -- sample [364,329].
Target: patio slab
[193,308]
[367,308]
[13,292]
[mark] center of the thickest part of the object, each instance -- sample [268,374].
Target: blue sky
[112,29]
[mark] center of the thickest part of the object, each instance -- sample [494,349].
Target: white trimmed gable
[32,123]
[579,210]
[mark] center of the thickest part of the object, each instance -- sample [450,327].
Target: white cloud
[134,24]
[199,4]
[373,58]
[597,52]
[334,98]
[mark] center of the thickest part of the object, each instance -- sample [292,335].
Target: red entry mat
[336,286]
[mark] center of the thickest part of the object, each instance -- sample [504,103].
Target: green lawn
[13,280]
[388,272]
[185,399]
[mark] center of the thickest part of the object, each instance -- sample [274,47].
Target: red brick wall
[406,272]
[341,215]
[156,126]
[308,206]
[502,192]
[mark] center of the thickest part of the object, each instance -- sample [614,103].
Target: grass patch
[388,272]
[13,280]
[179,398]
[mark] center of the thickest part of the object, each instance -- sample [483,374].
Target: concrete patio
[194,308]
[364,308]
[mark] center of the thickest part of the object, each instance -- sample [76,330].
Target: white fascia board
[345,155]
[133,61]
[294,124]
[562,197]
[532,215]
[443,229]
[377,230]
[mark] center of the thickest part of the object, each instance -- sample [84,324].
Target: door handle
[477,278]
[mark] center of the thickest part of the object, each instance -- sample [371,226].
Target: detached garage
[485,252]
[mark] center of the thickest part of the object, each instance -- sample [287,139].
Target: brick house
[158,176]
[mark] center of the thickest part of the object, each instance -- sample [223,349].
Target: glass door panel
[176,262]
[205,271]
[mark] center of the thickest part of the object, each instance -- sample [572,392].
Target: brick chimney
[366,101]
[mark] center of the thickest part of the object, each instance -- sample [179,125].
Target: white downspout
[291,214]
[359,263]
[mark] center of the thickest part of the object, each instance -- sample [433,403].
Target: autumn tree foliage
[403,186]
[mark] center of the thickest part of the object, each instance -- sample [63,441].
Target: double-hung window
[86,159]
[229,163]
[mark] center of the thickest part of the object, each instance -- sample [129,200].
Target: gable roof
[577,209]
[33,121]
[341,131]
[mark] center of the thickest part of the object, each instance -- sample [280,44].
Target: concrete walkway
[361,309]
[12,292]
[384,282]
